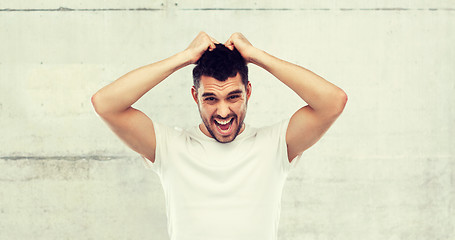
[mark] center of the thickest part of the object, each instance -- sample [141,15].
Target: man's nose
[223,110]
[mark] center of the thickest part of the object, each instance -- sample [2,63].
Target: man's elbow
[341,100]
[97,103]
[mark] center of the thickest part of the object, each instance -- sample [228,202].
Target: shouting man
[222,179]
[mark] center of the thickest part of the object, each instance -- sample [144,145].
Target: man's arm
[325,100]
[113,102]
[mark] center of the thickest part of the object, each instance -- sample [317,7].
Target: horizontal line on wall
[299,9]
[66,158]
[64,9]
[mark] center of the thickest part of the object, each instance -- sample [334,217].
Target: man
[222,179]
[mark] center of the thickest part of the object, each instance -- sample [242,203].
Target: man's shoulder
[274,127]
[166,130]
[271,131]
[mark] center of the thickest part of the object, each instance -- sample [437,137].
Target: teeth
[223,122]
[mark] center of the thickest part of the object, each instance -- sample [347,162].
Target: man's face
[222,106]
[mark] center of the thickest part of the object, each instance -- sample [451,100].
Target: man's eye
[233,97]
[210,99]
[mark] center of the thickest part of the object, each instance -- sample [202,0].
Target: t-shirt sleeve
[160,136]
[283,148]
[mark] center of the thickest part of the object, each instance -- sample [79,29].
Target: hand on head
[204,42]
[199,45]
[238,41]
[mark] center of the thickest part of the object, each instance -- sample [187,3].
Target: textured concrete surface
[385,170]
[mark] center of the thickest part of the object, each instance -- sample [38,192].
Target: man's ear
[248,90]
[194,93]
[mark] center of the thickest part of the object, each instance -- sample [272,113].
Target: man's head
[220,63]
[221,90]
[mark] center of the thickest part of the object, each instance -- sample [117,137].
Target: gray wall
[385,170]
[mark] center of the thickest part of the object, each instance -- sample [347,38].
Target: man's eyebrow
[206,94]
[236,92]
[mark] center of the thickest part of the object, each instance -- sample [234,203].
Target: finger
[212,46]
[229,44]
[214,40]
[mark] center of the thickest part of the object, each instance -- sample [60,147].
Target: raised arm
[325,100]
[113,102]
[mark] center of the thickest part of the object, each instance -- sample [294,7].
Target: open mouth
[224,127]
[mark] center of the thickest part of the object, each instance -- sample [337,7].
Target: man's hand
[238,41]
[199,45]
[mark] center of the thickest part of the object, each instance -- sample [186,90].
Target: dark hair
[220,63]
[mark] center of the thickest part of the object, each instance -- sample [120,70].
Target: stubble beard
[209,128]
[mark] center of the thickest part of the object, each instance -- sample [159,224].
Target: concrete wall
[385,170]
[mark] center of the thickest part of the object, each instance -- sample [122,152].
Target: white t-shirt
[222,191]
